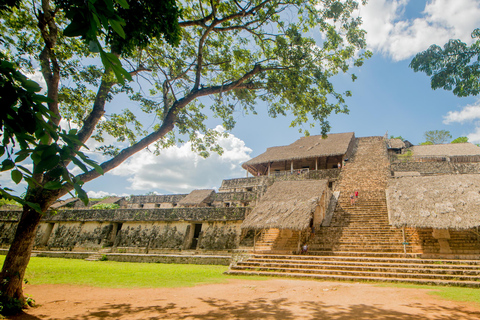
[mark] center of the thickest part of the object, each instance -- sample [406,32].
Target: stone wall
[133,230]
[220,235]
[461,243]
[172,214]
[428,168]
[152,235]
[252,183]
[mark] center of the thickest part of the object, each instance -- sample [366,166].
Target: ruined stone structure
[414,203]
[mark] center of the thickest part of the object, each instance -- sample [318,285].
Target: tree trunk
[18,255]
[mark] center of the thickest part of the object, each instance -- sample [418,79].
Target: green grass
[447,293]
[111,274]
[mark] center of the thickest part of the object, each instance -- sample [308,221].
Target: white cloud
[468,113]
[390,32]
[180,170]
[101,194]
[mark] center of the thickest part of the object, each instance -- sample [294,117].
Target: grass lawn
[113,274]
[448,293]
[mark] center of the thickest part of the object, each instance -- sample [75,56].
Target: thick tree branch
[168,124]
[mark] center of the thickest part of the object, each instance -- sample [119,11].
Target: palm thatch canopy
[395,144]
[306,147]
[446,150]
[110,200]
[197,197]
[286,205]
[441,202]
[62,203]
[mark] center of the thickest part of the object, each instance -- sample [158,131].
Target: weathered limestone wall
[220,235]
[253,183]
[152,235]
[426,168]
[131,230]
[460,242]
[73,235]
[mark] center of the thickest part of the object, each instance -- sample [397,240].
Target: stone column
[442,235]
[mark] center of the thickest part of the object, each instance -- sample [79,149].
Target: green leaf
[48,163]
[34,206]
[17,176]
[32,86]
[81,194]
[7,164]
[52,185]
[80,164]
[117,27]
[94,46]
[24,170]
[21,157]
[75,29]
[31,182]
[123,3]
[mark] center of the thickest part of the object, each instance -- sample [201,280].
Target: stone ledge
[223,260]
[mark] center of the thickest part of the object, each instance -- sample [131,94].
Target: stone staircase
[361,228]
[99,255]
[364,268]
[358,243]
[277,241]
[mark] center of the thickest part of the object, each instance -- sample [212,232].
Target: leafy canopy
[454,67]
[28,127]
[282,53]
[460,140]
[436,137]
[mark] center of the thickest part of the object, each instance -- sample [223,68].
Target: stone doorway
[196,234]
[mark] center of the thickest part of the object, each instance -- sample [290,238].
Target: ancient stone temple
[363,208]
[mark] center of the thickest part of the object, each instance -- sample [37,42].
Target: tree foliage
[436,137]
[398,137]
[455,67]
[238,53]
[460,140]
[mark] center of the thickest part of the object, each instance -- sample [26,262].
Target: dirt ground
[245,299]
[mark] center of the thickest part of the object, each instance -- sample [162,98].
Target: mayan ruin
[361,207]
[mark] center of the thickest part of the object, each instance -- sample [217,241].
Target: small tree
[460,140]
[437,136]
[399,137]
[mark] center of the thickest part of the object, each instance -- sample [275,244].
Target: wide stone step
[359,278]
[368,271]
[370,263]
[415,259]
[362,246]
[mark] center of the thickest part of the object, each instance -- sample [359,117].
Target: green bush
[105,206]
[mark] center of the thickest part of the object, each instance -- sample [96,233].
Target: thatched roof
[62,203]
[110,200]
[446,201]
[197,197]
[286,205]
[446,150]
[395,144]
[306,147]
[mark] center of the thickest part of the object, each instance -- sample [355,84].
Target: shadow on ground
[267,309]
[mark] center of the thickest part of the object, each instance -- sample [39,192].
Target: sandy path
[245,299]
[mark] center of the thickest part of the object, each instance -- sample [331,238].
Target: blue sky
[387,96]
